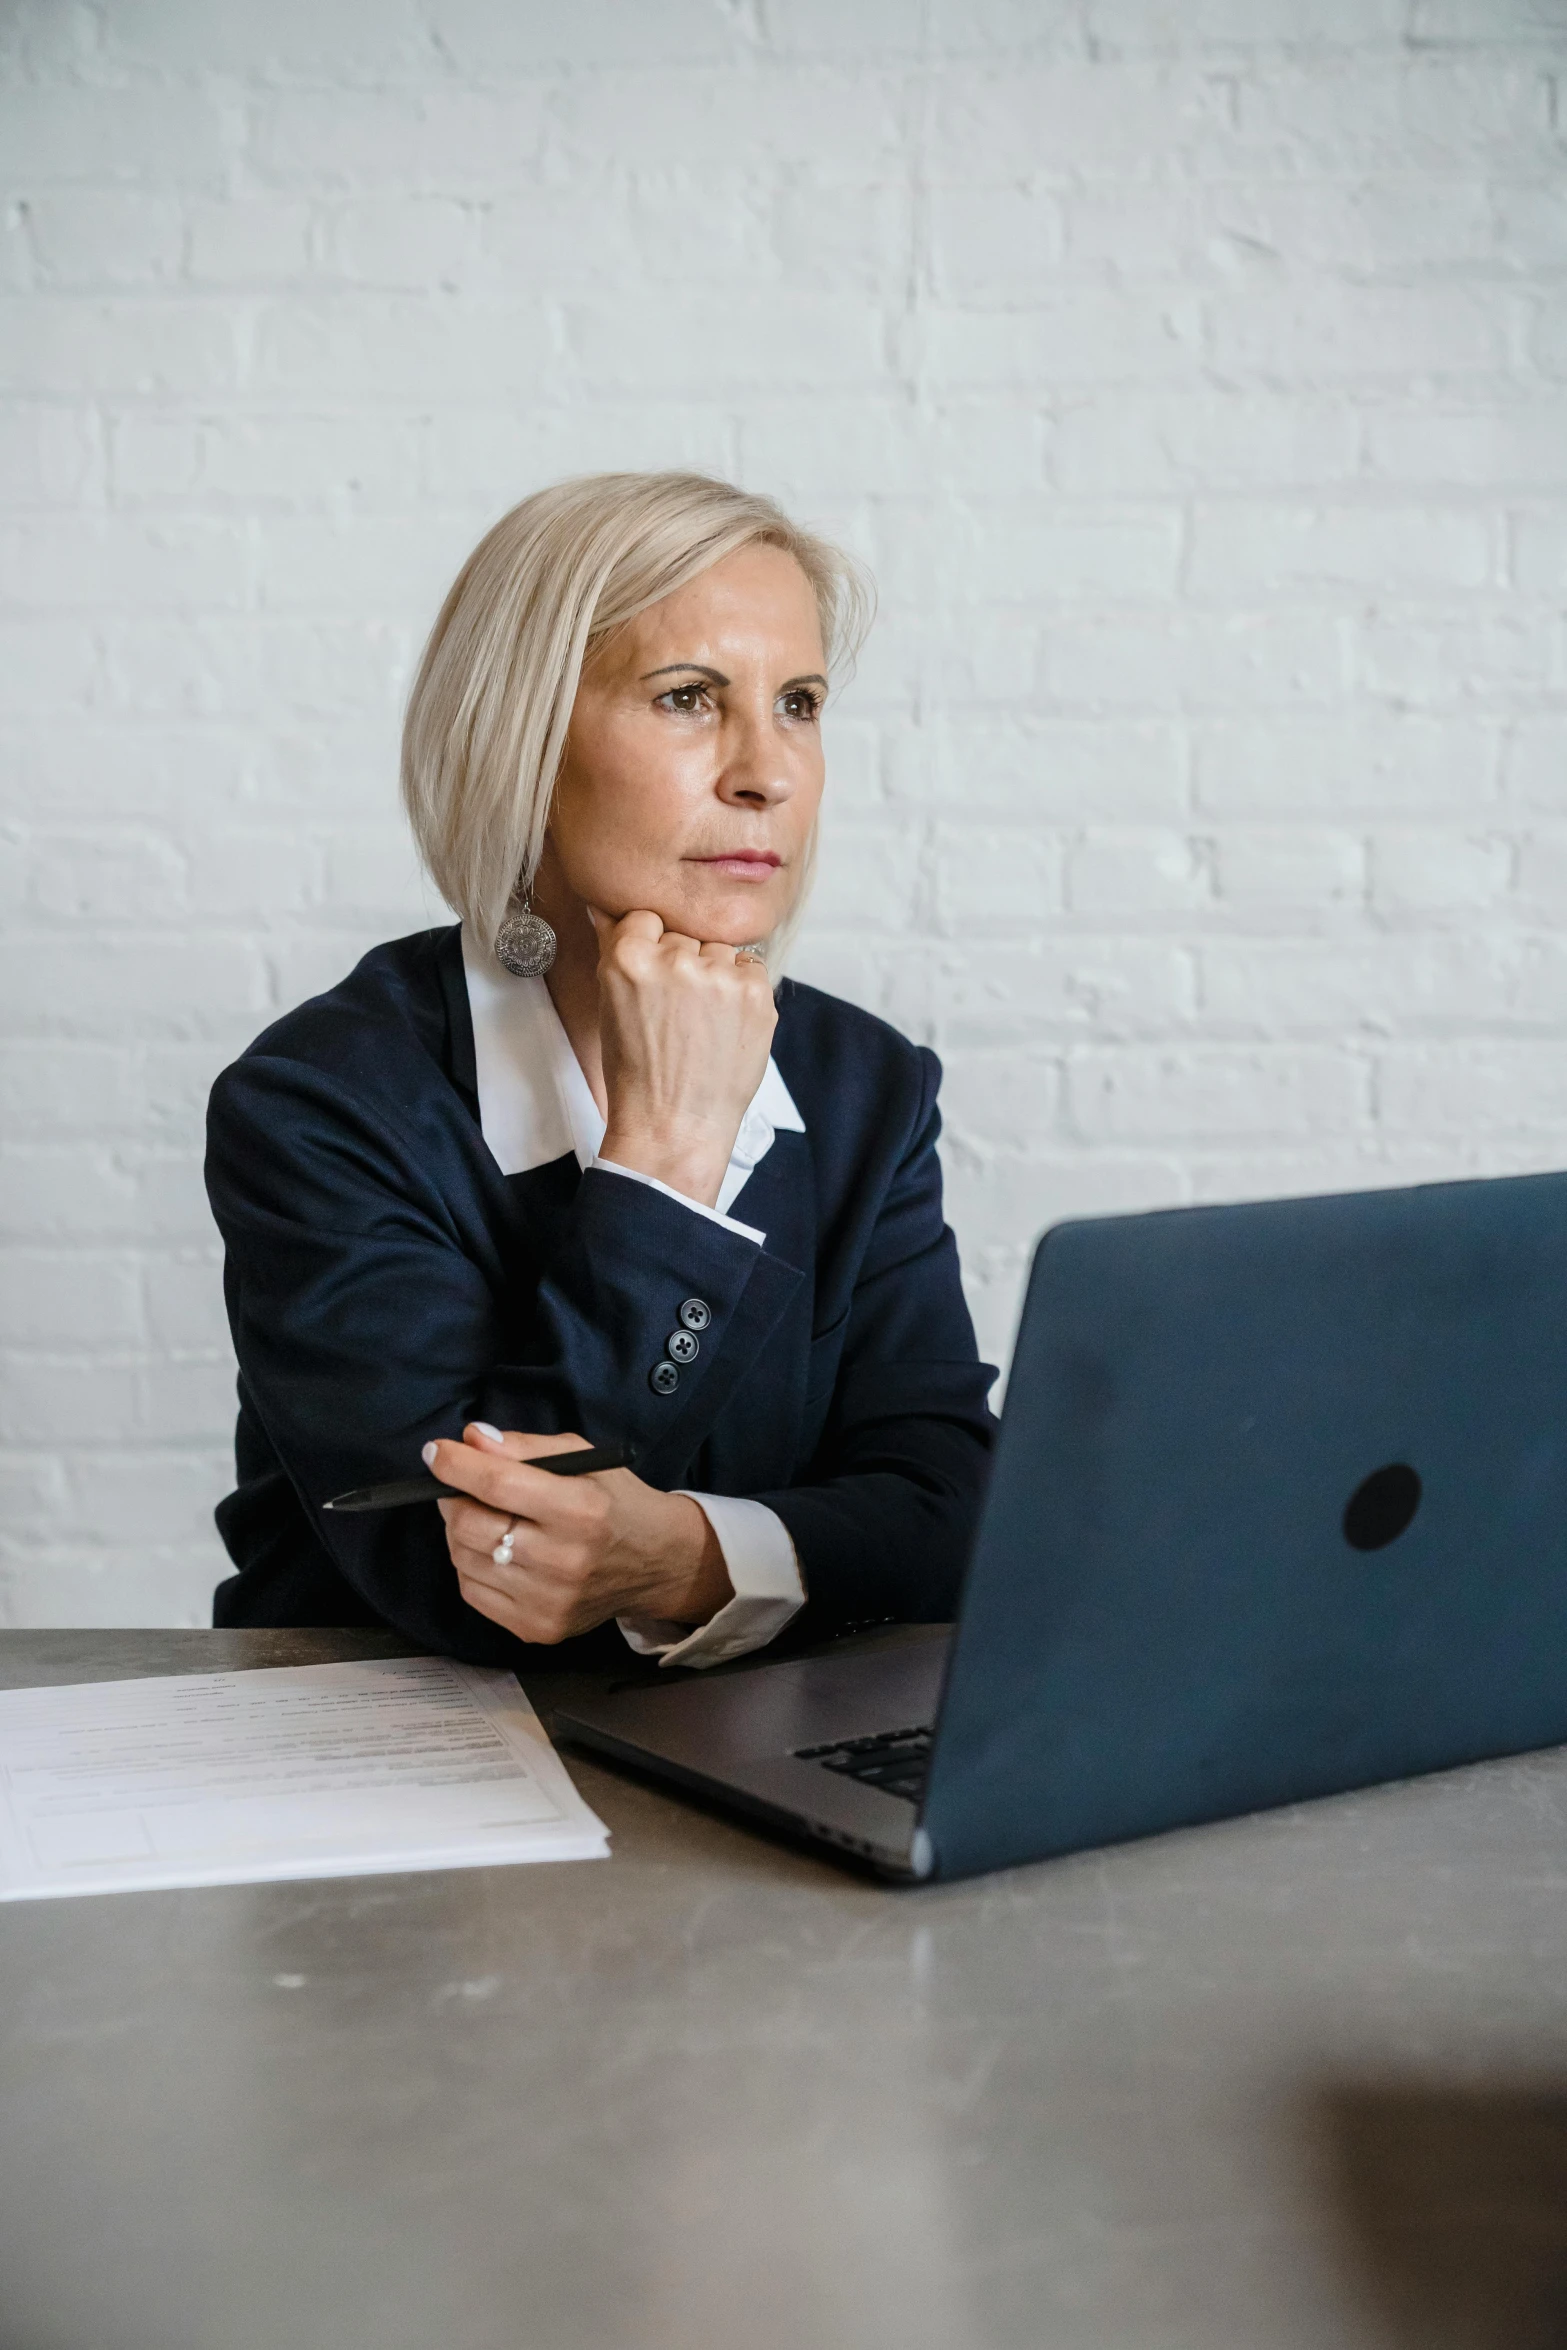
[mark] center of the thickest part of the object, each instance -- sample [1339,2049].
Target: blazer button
[695,1314]
[663,1378]
[682,1346]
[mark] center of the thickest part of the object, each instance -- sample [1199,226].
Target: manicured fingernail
[493,1434]
[428,1454]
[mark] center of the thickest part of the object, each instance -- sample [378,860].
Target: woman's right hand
[685,1028]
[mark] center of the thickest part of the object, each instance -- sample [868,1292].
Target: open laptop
[1279,1508]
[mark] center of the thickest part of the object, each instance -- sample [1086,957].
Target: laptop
[1278,1508]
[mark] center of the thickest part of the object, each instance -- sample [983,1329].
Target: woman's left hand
[581,1549]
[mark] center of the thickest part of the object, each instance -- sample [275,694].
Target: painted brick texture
[1194,379]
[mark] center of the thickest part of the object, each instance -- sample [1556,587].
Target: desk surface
[1295,2081]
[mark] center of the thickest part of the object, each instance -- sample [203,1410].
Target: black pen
[404,1490]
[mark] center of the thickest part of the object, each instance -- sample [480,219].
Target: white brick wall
[1192,372]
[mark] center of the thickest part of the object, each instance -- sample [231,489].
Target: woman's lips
[743,867]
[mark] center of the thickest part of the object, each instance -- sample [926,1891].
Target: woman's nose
[756,767]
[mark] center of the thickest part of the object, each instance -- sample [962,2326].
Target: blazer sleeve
[883,1520]
[371,1309]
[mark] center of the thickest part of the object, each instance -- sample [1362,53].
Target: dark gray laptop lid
[1164,1620]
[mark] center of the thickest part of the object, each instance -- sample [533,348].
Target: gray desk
[1296,2081]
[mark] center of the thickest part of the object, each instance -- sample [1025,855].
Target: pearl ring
[501,1554]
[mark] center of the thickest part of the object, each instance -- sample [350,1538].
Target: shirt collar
[535,1105]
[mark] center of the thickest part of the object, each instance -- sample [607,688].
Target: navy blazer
[386,1283]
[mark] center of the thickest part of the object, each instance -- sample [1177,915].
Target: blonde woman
[582,1168]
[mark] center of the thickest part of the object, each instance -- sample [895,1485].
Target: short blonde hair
[491,703]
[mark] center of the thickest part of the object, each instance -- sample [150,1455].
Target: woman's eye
[801,703]
[686,701]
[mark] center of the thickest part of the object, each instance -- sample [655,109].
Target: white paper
[340,1770]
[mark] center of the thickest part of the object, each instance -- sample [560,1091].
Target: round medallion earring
[525,942]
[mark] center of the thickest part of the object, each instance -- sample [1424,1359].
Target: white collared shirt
[535,1106]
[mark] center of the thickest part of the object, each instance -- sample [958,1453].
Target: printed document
[342,1770]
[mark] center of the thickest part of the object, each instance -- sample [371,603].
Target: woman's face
[693,768]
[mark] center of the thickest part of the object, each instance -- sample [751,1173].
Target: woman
[573,1172]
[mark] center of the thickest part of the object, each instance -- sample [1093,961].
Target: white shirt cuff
[698,1207]
[768,1585]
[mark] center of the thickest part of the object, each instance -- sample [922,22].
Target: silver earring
[525,942]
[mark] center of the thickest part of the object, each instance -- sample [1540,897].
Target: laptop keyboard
[894,1760]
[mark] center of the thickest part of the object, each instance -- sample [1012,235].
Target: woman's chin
[729,914]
